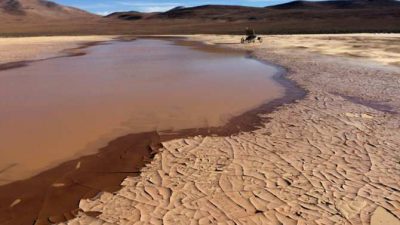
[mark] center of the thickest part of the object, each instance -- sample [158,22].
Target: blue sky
[108,6]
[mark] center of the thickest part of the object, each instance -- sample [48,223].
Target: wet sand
[71,181]
[325,159]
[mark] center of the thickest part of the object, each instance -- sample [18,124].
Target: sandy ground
[330,158]
[383,48]
[34,48]
[53,195]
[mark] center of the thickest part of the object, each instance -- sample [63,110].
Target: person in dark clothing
[250,34]
[251,37]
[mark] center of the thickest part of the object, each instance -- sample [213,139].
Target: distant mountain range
[38,9]
[131,15]
[340,4]
[33,17]
[300,9]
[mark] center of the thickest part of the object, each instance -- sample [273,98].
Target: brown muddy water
[54,110]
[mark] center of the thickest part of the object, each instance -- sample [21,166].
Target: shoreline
[323,159]
[69,52]
[86,176]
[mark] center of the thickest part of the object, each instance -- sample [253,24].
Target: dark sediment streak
[73,52]
[53,195]
[377,105]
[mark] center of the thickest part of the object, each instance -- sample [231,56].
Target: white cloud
[103,13]
[107,8]
[156,8]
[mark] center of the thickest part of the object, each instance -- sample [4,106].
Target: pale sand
[34,48]
[383,217]
[321,160]
[383,48]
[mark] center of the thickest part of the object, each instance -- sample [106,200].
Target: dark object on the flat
[251,37]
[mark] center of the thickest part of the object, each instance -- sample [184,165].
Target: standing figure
[250,34]
[251,37]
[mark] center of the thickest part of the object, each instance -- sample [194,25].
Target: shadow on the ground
[227,43]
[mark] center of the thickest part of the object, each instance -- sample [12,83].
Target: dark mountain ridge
[291,9]
[34,17]
[338,4]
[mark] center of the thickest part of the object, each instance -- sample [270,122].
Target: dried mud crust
[321,160]
[25,202]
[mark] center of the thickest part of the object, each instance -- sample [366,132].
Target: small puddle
[58,109]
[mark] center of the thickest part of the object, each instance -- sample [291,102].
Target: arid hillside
[38,17]
[33,10]
[292,17]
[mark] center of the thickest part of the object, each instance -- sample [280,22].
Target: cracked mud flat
[53,195]
[322,160]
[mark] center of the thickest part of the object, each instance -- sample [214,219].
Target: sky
[104,7]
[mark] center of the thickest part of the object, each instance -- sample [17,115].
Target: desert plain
[331,157]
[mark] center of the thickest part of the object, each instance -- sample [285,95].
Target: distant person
[251,37]
[250,34]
